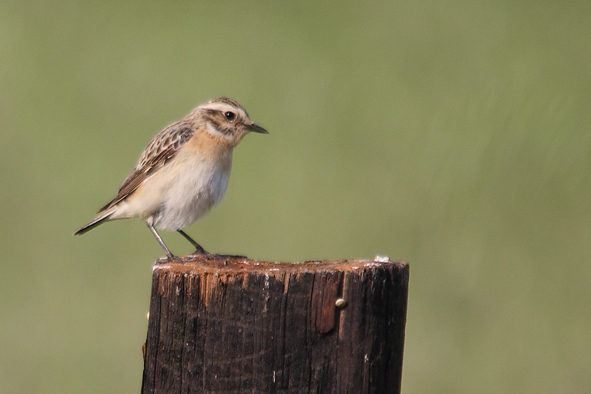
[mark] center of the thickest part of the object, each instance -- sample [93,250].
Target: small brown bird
[183,172]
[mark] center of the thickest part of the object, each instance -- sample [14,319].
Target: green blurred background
[454,135]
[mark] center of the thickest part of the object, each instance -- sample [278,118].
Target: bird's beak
[256,128]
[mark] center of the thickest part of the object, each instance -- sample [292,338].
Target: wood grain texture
[244,326]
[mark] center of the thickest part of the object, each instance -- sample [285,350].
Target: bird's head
[226,119]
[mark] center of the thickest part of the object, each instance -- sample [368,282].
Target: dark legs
[198,248]
[200,253]
[150,223]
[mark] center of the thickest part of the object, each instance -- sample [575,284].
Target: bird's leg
[198,248]
[171,257]
[202,252]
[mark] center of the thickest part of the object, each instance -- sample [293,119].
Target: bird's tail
[99,220]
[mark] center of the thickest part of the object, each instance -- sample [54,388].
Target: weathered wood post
[244,326]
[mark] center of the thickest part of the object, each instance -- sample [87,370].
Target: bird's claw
[175,259]
[210,256]
[204,257]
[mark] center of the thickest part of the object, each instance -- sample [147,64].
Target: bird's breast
[197,185]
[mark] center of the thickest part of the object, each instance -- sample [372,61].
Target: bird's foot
[210,256]
[176,259]
[205,257]
[229,256]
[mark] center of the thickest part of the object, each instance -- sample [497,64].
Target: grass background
[451,134]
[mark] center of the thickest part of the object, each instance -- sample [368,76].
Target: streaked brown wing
[159,151]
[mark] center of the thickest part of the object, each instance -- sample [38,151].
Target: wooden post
[244,326]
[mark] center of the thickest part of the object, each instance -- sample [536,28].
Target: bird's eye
[230,116]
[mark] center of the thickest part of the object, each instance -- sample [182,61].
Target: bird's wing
[159,151]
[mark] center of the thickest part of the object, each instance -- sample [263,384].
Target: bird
[182,173]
